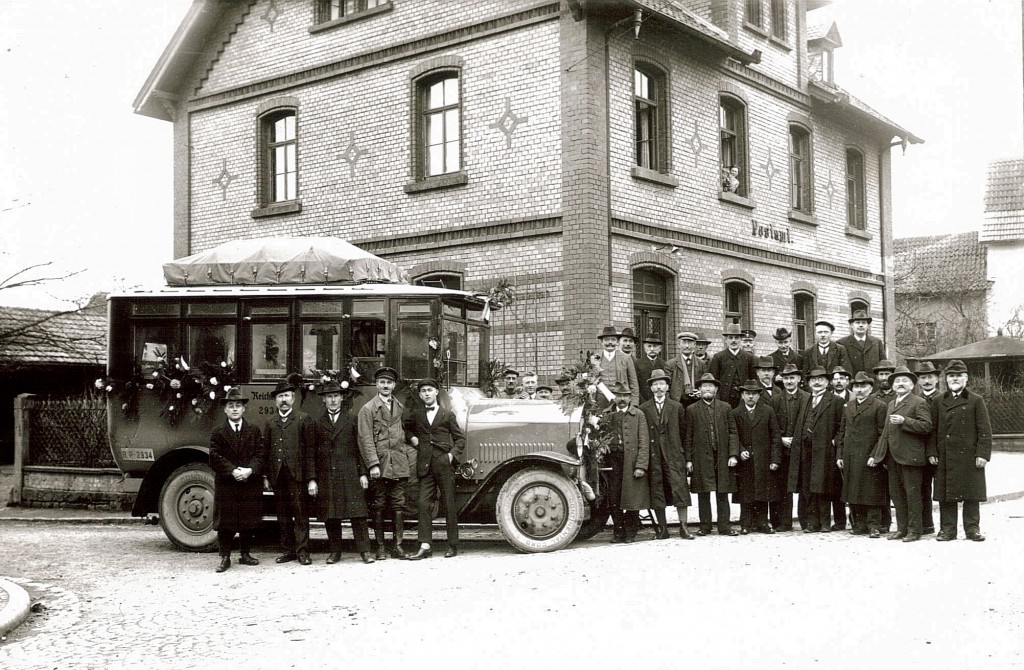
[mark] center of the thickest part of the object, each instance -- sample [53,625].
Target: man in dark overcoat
[760,445]
[685,369]
[667,473]
[928,388]
[785,354]
[629,459]
[713,446]
[647,362]
[341,473]
[812,461]
[839,385]
[904,448]
[964,447]
[789,406]
[863,350]
[732,366]
[290,439]
[237,457]
[866,489]
[824,353]
[765,370]
[435,432]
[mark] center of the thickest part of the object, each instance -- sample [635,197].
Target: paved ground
[116,596]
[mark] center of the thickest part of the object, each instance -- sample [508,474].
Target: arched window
[439,124]
[803,319]
[279,157]
[800,187]
[737,303]
[650,118]
[732,124]
[855,217]
[449,280]
[650,303]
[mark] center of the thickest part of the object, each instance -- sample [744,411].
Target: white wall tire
[539,510]
[186,508]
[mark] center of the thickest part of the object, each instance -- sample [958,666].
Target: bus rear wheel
[186,508]
[539,510]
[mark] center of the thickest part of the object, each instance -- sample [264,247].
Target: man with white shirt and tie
[667,472]
[685,369]
[824,353]
[864,351]
[529,386]
[616,366]
[237,457]
[812,466]
[764,368]
[439,441]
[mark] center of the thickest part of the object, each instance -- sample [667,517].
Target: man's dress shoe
[945,537]
[366,557]
[452,551]
[897,535]
[975,536]
[304,559]
[246,559]
[334,557]
[285,558]
[912,537]
[684,533]
[225,563]
[420,554]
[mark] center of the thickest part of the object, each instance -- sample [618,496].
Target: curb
[108,521]
[15,611]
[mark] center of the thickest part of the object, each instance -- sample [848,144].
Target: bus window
[368,343]
[211,344]
[321,347]
[154,346]
[476,355]
[269,350]
[413,350]
[453,351]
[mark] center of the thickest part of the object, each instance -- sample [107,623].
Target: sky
[85,184]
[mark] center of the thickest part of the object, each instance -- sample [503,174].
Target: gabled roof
[823,29]
[840,101]
[992,347]
[1004,202]
[43,337]
[940,263]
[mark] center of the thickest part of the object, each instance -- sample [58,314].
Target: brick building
[665,164]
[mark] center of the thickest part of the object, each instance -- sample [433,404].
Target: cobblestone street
[120,596]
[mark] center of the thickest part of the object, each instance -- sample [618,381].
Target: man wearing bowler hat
[863,351]
[883,389]
[732,366]
[928,388]
[649,361]
[765,369]
[964,447]
[789,405]
[629,458]
[668,471]
[760,446]
[712,443]
[439,441]
[784,354]
[237,458]
[290,442]
[617,366]
[904,448]
[627,342]
[341,471]
[382,445]
[840,383]
[865,489]
[701,348]
[685,369]
[812,463]
[823,352]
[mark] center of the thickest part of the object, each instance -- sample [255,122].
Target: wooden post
[22,404]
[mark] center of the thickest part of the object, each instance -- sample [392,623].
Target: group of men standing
[345,464]
[836,423]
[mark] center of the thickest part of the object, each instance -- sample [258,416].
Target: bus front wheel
[186,508]
[539,510]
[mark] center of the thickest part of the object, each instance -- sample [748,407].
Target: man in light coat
[685,369]
[616,366]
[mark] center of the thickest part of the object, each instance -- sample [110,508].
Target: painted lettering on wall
[771,232]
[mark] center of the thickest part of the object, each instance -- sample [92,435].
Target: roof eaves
[844,101]
[692,24]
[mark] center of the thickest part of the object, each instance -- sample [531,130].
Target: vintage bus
[173,350]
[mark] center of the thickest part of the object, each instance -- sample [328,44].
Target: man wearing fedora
[712,444]
[685,369]
[784,354]
[290,438]
[812,465]
[629,459]
[668,471]
[964,448]
[341,473]
[616,366]
[237,458]
[928,388]
[823,352]
[863,351]
[904,448]
[649,361]
[765,370]
[627,342]
[732,366]
[701,349]
[760,446]
[840,383]
[434,431]
[789,406]
[865,489]
[382,445]
[883,389]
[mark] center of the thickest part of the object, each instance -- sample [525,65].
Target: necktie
[237,427]
[817,399]
[334,417]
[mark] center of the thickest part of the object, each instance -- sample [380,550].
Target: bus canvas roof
[273,261]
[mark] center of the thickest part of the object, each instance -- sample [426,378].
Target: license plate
[133,454]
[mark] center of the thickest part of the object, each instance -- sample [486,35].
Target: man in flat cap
[435,432]
[629,460]
[785,354]
[382,445]
[866,489]
[712,443]
[649,361]
[812,463]
[685,369]
[864,351]
[511,388]
[904,448]
[237,458]
[789,406]
[964,448]
[732,366]
[341,472]
[824,353]
[617,366]
[290,442]
[668,471]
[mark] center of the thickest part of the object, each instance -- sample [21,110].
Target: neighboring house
[51,353]
[1002,233]
[942,291]
[665,165]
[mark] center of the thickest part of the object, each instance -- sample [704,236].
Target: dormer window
[822,67]
[822,40]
